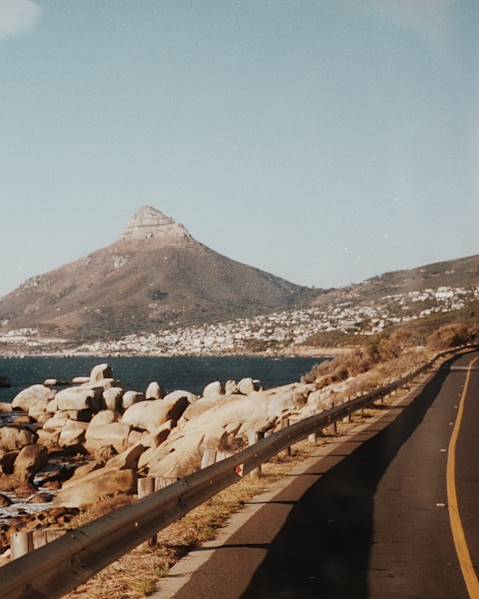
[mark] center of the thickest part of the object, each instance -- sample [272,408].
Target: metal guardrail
[62,565]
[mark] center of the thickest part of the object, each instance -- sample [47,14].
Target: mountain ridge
[154,274]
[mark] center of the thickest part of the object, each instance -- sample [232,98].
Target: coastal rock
[104,435]
[54,383]
[174,395]
[99,373]
[7,461]
[214,388]
[112,398]
[38,413]
[154,438]
[48,439]
[155,391]
[80,380]
[75,398]
[72,434]
[128,459]
[231,387]
[71,438]
[12,438]
[29,461]
[103,417]
[56,422]
[52,406]
[36,395]
[151,414]
[203,404]
[80,415]
[42,497]
[247,386]
[130,398]
[135,437]
[82,471]
[5,408]
[99,483]
[177,459]
[159,435]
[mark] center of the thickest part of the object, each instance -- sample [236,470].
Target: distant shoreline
[297,352]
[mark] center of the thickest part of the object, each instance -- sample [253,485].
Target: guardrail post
[285,422]
[254,437]
[349,417]
[314,437]
[145,487]
[22,543]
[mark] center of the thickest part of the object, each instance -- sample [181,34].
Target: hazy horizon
[323,142]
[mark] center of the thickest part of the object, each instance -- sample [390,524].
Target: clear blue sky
[324,141]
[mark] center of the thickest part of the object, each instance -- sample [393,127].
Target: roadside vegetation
[378,358]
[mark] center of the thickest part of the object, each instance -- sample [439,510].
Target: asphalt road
[375,524]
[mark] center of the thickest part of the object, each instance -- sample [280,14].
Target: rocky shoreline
[65,446]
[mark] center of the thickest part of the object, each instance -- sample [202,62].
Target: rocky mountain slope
[156,274]
[461,272]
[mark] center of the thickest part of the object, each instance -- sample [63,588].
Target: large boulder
[81,472]
[80,380]
[7,462]
[104,482]
[80,415]
[48,439]
[12,438]
[175,460]
[155,391]
[52,406]
[103,417]
[105,435]
[128,459]
[75,398]
[191,397]
[213,389]
[36,395]
[5,408]
[247,386]
[29,461]
[130,398]
[205,403]
[72,434]
[231,387]
[56,422]
[99,373]
[151,414]
[112,398]
[38,413]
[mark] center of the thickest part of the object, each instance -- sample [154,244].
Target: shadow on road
[323,549]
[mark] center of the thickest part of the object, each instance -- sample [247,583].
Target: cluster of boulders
[119,435]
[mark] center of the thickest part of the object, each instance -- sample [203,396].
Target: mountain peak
[149,223]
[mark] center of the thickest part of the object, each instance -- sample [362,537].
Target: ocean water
[191,374]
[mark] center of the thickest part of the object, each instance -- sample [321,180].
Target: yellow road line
[462,549]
